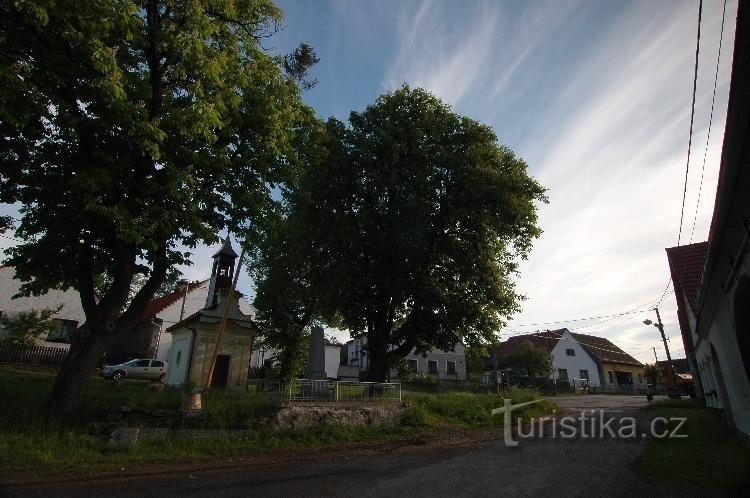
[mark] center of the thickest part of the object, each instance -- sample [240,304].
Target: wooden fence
[35,355]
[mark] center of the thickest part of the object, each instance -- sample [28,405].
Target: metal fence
[311,390]
[35,355]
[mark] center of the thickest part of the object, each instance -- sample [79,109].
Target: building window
[451,368]
[570,352]
[432,366]
[562,373]
[640,378]
[584,374]
[412,364]
[611,377]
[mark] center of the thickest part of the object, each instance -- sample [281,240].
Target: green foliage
[31,443]
[28,326]
[653,373]
[470,410]
[530,361]
[133,129]
[409,231]
[405,371]
[475,357]
[298,63]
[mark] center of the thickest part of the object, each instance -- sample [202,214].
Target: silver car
[139,368]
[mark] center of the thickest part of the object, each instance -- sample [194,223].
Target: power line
[666,288]
[692,116]
[710,120]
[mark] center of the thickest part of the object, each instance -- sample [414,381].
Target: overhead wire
[692,118]
[710,120]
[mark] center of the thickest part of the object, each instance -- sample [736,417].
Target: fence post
[337,392]
[399,393]
[290,390]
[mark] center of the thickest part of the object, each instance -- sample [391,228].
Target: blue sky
[594,95]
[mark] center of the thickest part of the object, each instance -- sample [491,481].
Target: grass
[29,442]
[711,457]
[467,410]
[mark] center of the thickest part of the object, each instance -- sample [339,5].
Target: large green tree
[413,226]
[130,130]
[530,361]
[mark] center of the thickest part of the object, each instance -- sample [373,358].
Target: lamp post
[660,326]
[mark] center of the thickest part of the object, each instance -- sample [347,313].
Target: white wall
[333,358]
[573,364]
[69,299]
[355,357]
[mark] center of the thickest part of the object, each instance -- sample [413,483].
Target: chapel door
[221,370]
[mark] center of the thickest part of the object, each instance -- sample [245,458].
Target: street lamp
[660,326]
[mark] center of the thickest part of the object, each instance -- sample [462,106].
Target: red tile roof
[160,303]
[686,264]
[600,348]
[604,350]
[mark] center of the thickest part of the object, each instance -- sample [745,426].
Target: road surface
[539,466]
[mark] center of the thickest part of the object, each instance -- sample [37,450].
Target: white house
[68,318]
[570,361]
[443,365]
[581,359]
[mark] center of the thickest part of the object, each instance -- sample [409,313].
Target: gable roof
[604,350]
[160,303]
[546,340]
[686,264]
[599,348]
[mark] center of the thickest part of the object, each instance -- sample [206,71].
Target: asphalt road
[540,466]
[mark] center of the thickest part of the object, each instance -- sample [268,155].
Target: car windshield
[131,362]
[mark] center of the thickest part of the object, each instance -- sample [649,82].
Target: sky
[594,95]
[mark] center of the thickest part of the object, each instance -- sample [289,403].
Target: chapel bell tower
[222,272]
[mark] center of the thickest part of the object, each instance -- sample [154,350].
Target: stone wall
[302,417]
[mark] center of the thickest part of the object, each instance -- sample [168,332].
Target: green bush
[415,416]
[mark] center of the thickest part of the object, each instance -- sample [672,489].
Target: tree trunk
[377,353]
[377,370]
[75,373]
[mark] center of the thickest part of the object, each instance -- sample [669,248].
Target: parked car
[139,368]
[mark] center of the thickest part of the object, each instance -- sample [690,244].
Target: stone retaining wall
[301,417]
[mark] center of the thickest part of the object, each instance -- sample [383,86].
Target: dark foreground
[542,466]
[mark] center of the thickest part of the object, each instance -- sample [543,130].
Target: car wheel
[118,376]
[161,378]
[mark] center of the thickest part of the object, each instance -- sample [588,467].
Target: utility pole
[660,326]
[656,360]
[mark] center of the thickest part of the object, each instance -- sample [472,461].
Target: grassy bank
[28,441]
[711,456]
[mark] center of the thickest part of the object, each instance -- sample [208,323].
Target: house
[714,307]
[67,319]
[581,359]
[439,364]
[194,338]
[148,339]
[686,267]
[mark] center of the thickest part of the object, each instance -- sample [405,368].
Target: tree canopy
[131,130]
[412,226]
[530,361]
